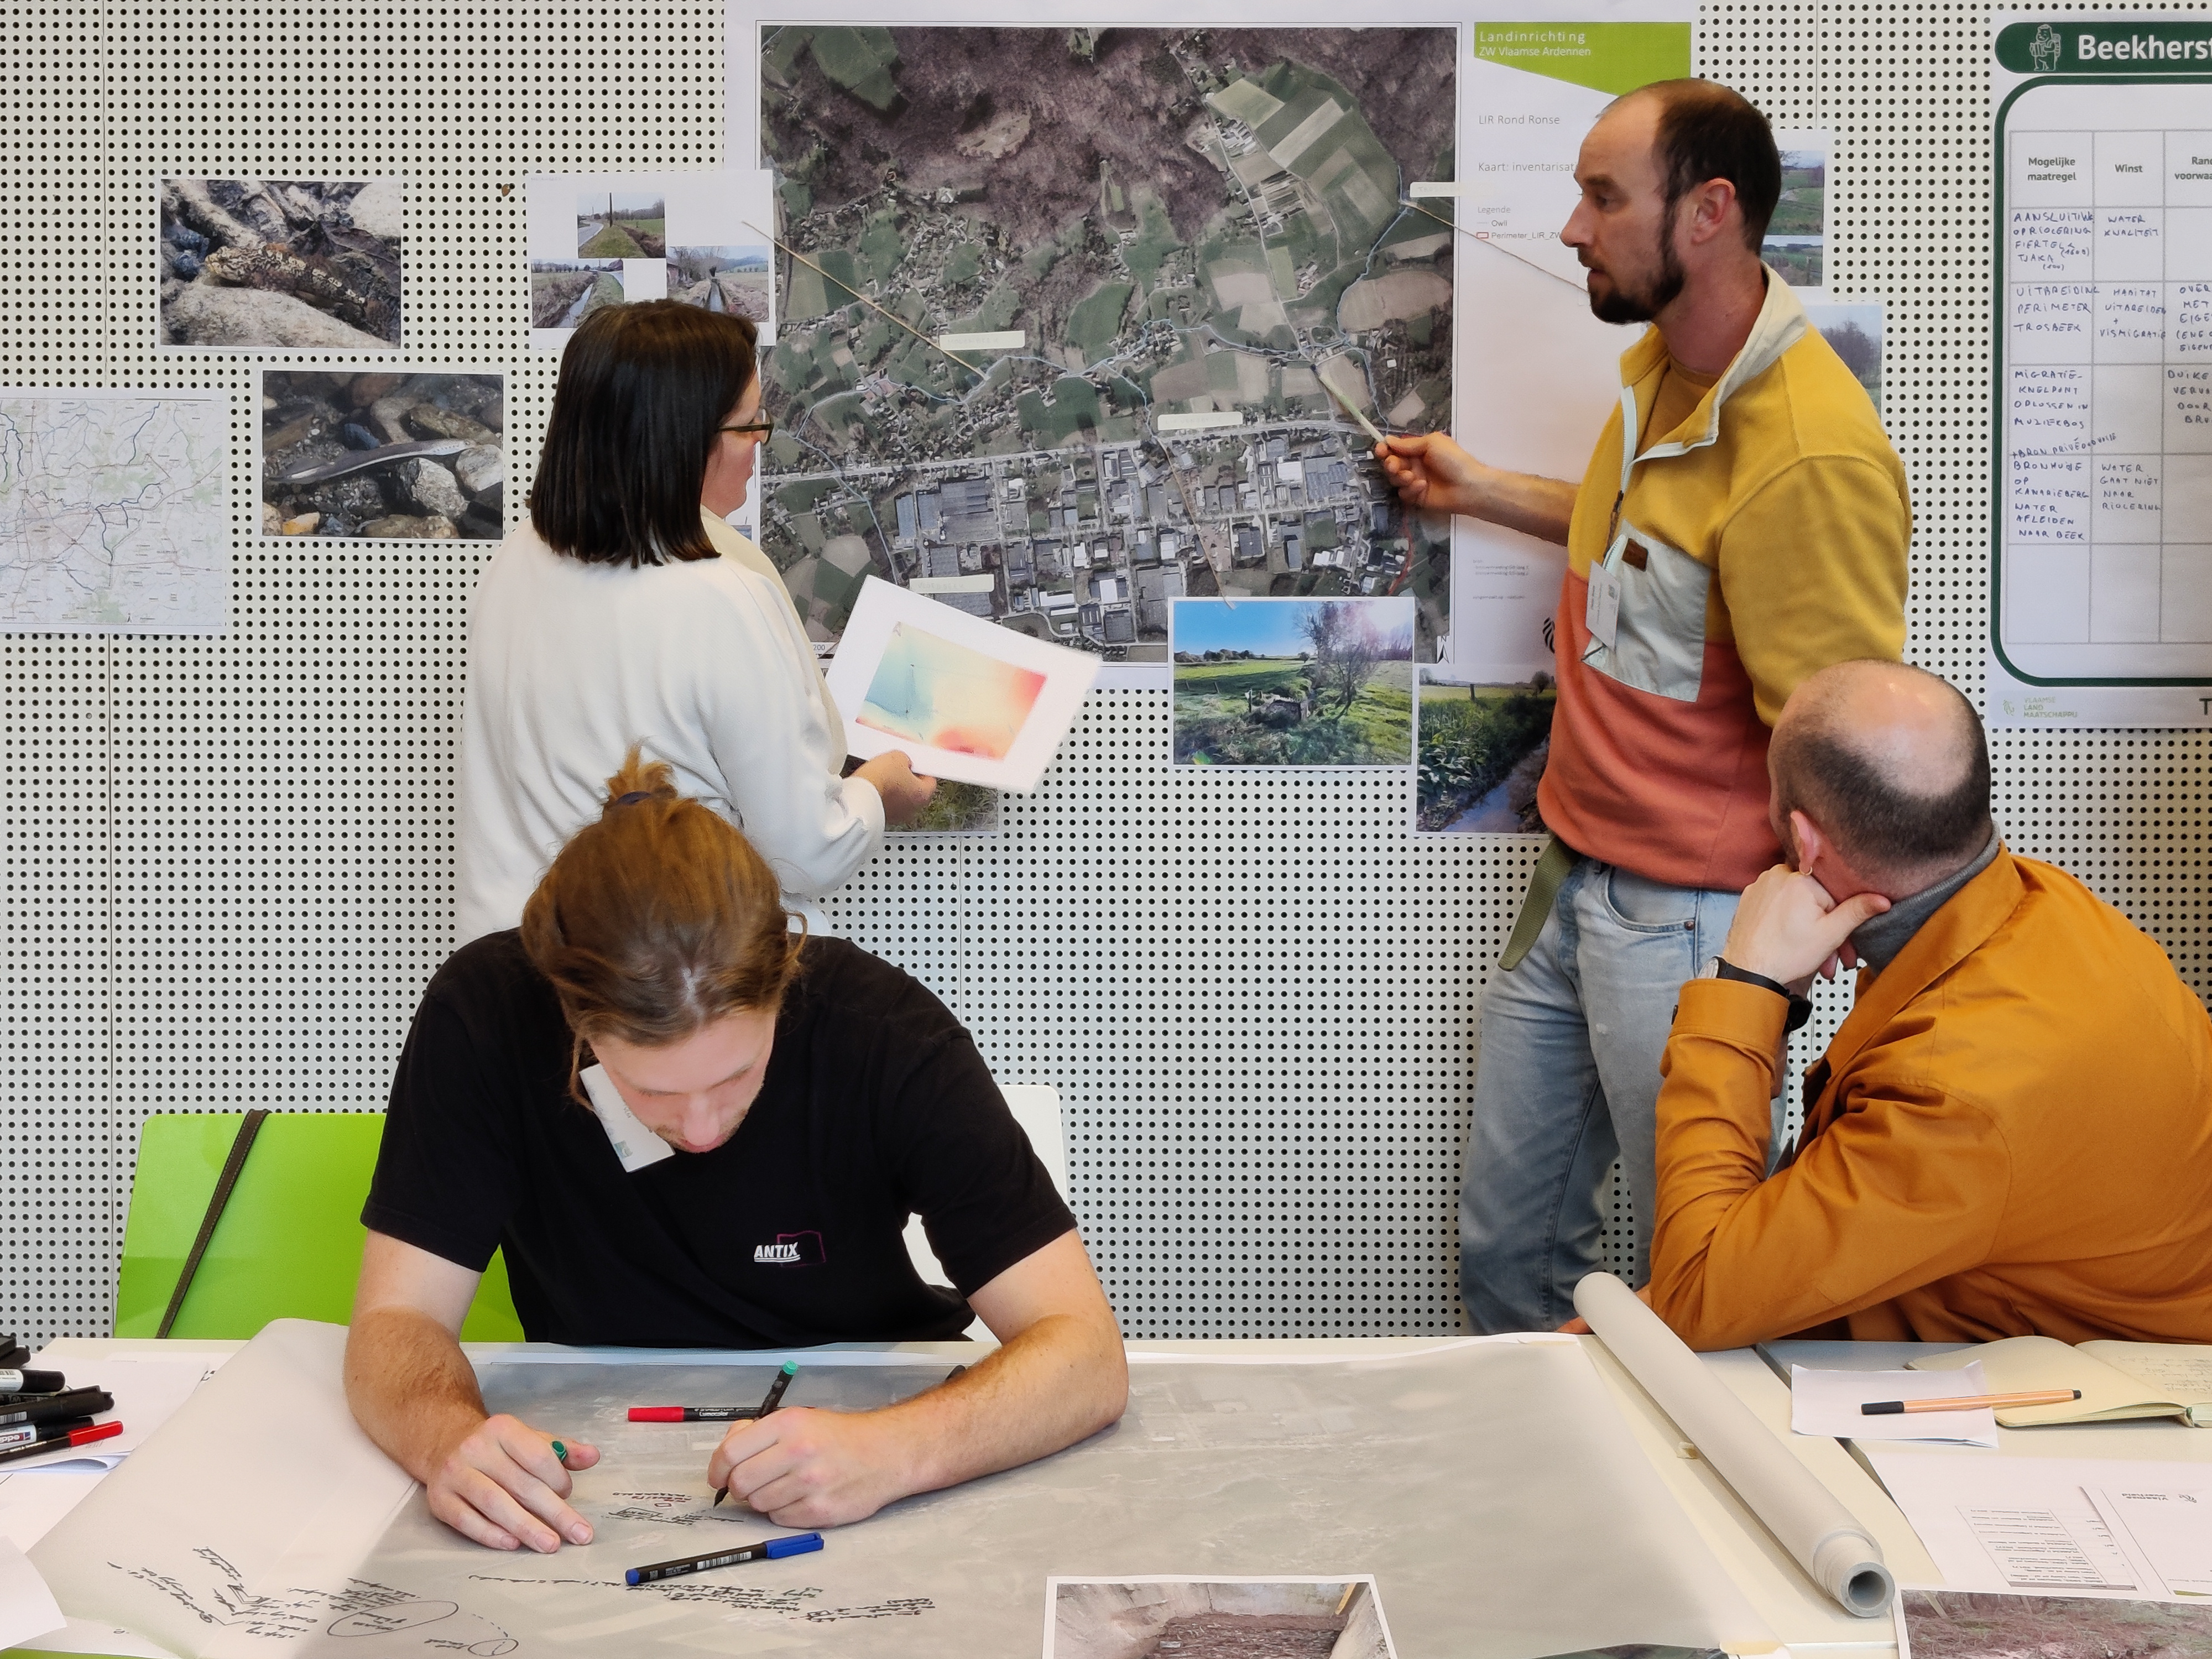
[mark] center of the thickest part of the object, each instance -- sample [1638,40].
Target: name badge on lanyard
[1601,614]
[637,1146]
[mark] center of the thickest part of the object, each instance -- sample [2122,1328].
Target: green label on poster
[2082,46]
[1613,57]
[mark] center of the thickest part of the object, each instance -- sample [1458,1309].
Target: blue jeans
[1567,1081]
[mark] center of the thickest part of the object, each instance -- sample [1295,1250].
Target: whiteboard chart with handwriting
[2104,554]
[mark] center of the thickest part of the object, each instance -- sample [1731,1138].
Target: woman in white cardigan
[628,611]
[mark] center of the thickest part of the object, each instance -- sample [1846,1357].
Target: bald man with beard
[2012,1133]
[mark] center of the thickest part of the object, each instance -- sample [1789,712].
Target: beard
[1624,305]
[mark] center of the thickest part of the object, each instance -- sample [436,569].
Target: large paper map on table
[1489,1486]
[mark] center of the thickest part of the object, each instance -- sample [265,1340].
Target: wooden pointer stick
[1489,243]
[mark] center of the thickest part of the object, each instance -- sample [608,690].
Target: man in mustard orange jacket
[2011,1134]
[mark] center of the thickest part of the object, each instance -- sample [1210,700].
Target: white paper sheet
[27,1607]
[203,1499]
[997,703]
[1827,1402]
[2072,1526]
[2102,608]
[31,1504]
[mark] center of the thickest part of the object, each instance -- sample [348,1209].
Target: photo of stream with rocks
[407,456]
[308,263]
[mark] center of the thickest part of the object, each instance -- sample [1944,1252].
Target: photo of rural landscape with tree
[1482,752]
[1853,331]
[1294,682]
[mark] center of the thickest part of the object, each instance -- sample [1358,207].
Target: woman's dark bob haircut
[644,389]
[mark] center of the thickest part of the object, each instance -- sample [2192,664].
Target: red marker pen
[75,1438]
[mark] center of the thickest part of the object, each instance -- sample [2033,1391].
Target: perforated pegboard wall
[227,863]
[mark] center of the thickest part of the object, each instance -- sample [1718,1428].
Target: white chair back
[1035,1107]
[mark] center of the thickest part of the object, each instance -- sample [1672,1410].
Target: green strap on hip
[1543,889]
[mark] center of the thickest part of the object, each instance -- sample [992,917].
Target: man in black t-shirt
[747,1186]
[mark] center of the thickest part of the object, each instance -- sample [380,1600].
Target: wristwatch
[1801,1007]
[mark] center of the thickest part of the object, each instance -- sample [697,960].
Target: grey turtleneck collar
[1880,937]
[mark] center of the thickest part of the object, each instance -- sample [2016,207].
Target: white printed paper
[1544,373]
[2102,591]
[1828,1403]
[2170,1524]
[2071,1525]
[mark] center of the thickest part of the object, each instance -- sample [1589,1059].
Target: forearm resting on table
[1055,1382]
[1060,1375]
[411,1389]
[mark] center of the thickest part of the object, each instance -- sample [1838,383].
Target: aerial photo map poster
[1132,282]
[2101,579]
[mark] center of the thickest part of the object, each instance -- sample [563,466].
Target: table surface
[1799,1613]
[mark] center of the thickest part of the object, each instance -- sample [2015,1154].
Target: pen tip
[720,1492]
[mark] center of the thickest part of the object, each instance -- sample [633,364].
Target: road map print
[114,513]
[1157,253]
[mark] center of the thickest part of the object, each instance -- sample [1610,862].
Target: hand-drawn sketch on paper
[1059,305]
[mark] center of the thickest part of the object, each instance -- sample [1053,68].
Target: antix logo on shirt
[791,1249]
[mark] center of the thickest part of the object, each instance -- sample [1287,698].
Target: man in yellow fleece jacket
[2012,1133]
[1743,522]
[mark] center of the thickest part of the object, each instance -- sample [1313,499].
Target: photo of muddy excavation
[256,263]
[407,455]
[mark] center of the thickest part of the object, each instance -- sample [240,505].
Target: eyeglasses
[760,429]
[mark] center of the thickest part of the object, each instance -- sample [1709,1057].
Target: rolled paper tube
[1820,1535]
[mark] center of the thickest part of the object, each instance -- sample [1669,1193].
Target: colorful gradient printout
[947,696]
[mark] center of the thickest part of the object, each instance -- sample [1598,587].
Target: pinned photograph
[1797,241]
[1293,682]
[406,455]
[621,225]
[1853,329]
[957,809]
[1978,1624]
[563,292]
[965,699]
[1160,1617]
[736,280]
[597,239]
[271,264]
[1481,753]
